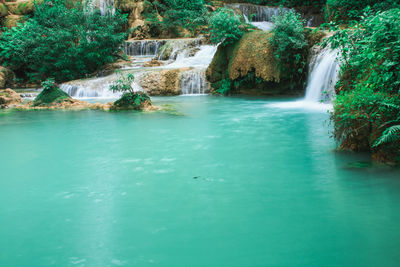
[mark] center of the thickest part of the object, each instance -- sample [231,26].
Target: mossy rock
[51,96]
[129,101]
[6,77]
[12,20]
[24,7]
[3,10]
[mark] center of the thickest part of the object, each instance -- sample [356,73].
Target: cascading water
[258,16]
[193,82]
[107,7]
[143,47]
[323,76]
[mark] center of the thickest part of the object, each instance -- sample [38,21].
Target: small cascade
[105,6]
[90,88]
[193,82]
[258,16]
[323,76]
[257,13]
[143,47]
[201,59]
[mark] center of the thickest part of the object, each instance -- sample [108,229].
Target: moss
[129,101]
[253,53]
[50,96]
[12,20]
[250,66]
[25,7]
[3,10]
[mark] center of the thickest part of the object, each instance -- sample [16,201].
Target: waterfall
[107,7]
[90,88]
[323,76]
[193,82]
[258,16]
[201,59]
[143,47]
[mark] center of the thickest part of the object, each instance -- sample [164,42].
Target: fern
[390,135]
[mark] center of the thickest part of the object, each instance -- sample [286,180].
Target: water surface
[218,182]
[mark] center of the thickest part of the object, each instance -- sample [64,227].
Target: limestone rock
[6,77]
[9,97]
[163,82]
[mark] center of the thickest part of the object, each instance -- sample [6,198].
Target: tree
[61,42]
[224,26]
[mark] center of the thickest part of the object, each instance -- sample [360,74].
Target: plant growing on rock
[50,94]
[130,99]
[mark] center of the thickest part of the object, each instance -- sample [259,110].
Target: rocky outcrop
[134,9]
[247,67]
[6,77]
[162,82]
[21,7]
[9,98]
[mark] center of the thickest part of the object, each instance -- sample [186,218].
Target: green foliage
[226,85]
[124,83]
[61,42]
[50,94]
[289,44]
[345,10]
[176,15]
[286,3]
[130,99]
[389,136]
[368,104]
[224,26]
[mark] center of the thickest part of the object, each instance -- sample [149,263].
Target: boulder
[162,82]
[9,97]
[52,97]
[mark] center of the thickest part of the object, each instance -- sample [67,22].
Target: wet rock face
[163,82]
[9,98]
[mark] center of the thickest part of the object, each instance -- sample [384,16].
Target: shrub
[289,45]
[224,27]
[369,85]
[51,93]
[176,14]
[129,99]
[62,43]
[345,10]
